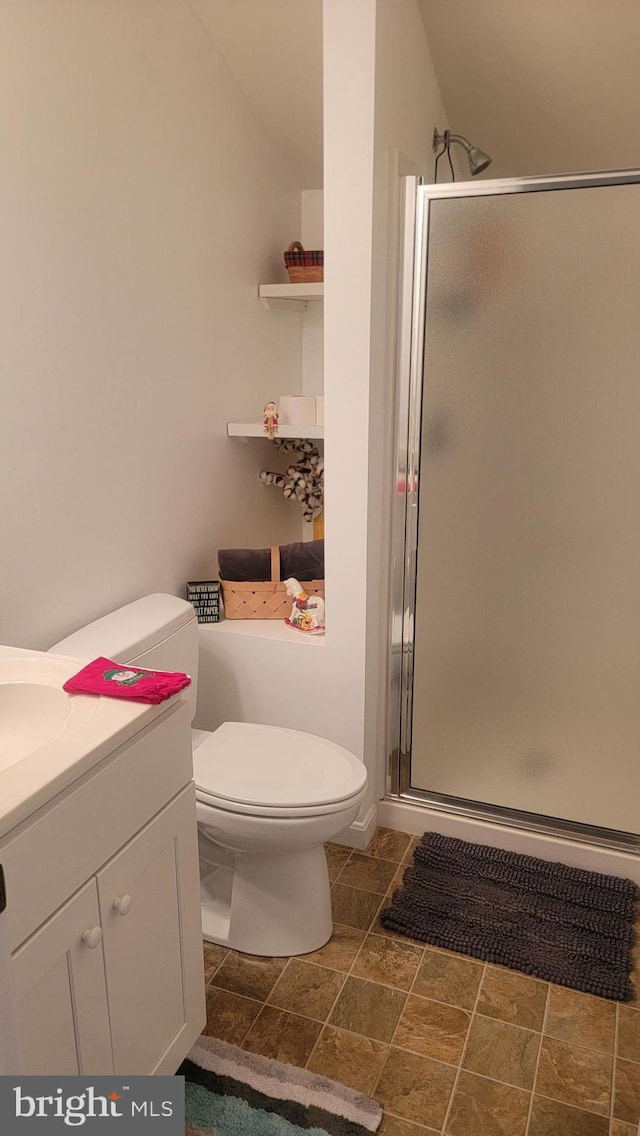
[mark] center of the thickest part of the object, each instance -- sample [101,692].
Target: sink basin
[34,709]
[49,739]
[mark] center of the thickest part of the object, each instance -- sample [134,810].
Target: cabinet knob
[92,937]
[122,904]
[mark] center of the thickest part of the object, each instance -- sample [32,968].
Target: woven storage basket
[304,267]
[263,599]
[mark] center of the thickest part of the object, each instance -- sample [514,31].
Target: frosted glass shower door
[526,672]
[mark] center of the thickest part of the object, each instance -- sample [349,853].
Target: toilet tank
[157,631]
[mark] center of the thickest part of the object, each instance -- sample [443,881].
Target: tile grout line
[265,1004]
[413,980]
[575,1044]
[378,981]
[363,891]
[464,1049]
[614,1067]
[365,978]
[262,1005]
[416,1123]
[324,1021]
[345,975]
[378,859]
[367,891]
[535,1072]
[386,1056]
[385,897]
[495,1081]
[350,974]
[215,970]
[315,1021]
[576,1107]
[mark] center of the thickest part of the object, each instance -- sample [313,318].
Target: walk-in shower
[516,607]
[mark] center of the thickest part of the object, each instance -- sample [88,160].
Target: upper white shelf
[290,297]
[254,428]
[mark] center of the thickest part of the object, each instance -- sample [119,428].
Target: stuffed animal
[303,480]
[307,612]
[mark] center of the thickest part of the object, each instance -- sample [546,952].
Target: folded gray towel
[304,560]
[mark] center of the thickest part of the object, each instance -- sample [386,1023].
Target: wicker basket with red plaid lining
[304,267]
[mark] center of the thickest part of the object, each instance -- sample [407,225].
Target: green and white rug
[233,1093]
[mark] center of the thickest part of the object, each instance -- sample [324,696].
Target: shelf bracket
[282,304]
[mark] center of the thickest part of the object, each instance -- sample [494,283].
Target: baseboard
[361,831]
[417,819]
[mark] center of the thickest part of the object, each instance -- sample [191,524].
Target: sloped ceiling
[274,50]
[544,86]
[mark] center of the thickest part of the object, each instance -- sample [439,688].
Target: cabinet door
[150,910]
[62,1020]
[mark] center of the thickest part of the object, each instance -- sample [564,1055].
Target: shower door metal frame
[410,377]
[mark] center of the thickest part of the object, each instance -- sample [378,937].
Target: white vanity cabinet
[60,1010]
[149,963]
[112,979]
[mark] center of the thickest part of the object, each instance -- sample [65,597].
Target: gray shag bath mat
[565,925]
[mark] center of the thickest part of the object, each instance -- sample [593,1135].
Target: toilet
[267,798]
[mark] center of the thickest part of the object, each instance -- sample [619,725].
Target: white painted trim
[361,831]
[417,819]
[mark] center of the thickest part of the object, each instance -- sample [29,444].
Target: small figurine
[270,420]
[307,613]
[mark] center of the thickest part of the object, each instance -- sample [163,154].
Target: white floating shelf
[290,297]
[254,428]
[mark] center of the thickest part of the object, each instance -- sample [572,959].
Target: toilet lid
[268,766]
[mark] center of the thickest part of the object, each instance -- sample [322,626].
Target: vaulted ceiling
[274,50]
[544,86]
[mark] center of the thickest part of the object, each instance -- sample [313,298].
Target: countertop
[107,723]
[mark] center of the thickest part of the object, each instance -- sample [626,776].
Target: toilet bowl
[267,798]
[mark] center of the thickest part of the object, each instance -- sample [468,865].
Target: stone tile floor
[446,1044]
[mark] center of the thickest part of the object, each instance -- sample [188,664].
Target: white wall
[408,106]
[136,237]
[312,237]
[543,87]
[322,688]
[140,205]
[380,97]
[349,86]
[274,49]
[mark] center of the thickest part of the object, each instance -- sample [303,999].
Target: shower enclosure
[516,607]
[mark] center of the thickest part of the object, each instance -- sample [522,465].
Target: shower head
[477,159]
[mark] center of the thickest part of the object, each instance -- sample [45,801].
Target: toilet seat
[268,771]
[266,811]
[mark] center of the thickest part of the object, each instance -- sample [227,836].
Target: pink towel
[118,680]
